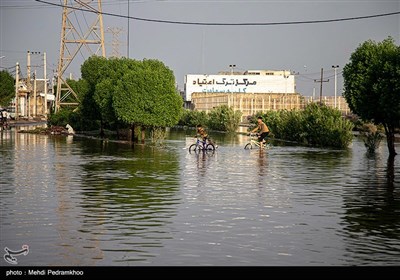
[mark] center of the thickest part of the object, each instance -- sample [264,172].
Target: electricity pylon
[73,38]
[115,31]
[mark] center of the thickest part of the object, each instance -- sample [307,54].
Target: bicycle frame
[255,143]
[201,145]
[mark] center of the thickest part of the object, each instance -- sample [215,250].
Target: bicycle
[201,145]
[255,143]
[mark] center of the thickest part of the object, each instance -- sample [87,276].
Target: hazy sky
[198,49]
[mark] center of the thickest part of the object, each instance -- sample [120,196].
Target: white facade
[262,82]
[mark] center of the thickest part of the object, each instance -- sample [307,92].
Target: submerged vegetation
[316,125]
[372,137]
[222,118]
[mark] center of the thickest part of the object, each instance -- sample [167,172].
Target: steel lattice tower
[115,31]
[75,34]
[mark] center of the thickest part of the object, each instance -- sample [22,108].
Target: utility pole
[45,86]
[232,66]
[129,17]
[335,67]
[16,89]
[72,41]
[34,95]
[321,81]
[28,83]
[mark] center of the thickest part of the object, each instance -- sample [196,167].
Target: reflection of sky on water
[77,201]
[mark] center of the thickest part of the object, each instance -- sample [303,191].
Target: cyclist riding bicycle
[262,130]
[200,131]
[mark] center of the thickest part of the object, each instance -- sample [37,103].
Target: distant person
[70,129]
[262,130]
[201,132]
[4,119]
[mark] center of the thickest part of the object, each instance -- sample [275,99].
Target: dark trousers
[263,136]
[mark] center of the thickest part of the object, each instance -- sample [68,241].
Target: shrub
[193,118]
[224,118]
[316,125]
[371,137]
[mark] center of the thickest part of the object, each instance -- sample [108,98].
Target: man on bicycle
[262,129]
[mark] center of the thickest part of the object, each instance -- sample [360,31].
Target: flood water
[80,201]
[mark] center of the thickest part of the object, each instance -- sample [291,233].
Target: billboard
[238,84]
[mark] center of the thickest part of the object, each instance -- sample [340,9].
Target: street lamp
[335,67]
[232,66]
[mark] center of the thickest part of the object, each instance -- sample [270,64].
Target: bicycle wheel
[248,146]
[210,147]
[193,148]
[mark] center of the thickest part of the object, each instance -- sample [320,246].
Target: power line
[225,24]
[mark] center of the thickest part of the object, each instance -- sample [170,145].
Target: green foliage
[7,89]
[61,118]
[324,126]
[94,69]
[372,85]
[125,92]
[372,141]
[224,118]
[286,124]
[371,137]
[148,96]
[193,118]
[103,99]
[95,104]
[221,118]
[316,126]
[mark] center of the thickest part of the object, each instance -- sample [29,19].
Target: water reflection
[95,200]
[370,204]
[80,201]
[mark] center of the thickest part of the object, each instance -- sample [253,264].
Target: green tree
[106,73]
[126,91]
[7,90]
[193,118]
[94,70]
[224,118]
[372,85]
[147,96]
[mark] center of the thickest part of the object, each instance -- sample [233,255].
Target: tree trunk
[101,129]
[389,130]
[117,129]
[390,172]
[143,134]
[133,133]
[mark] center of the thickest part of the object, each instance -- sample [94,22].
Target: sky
[28,25]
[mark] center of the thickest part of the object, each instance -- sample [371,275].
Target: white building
[251,81]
